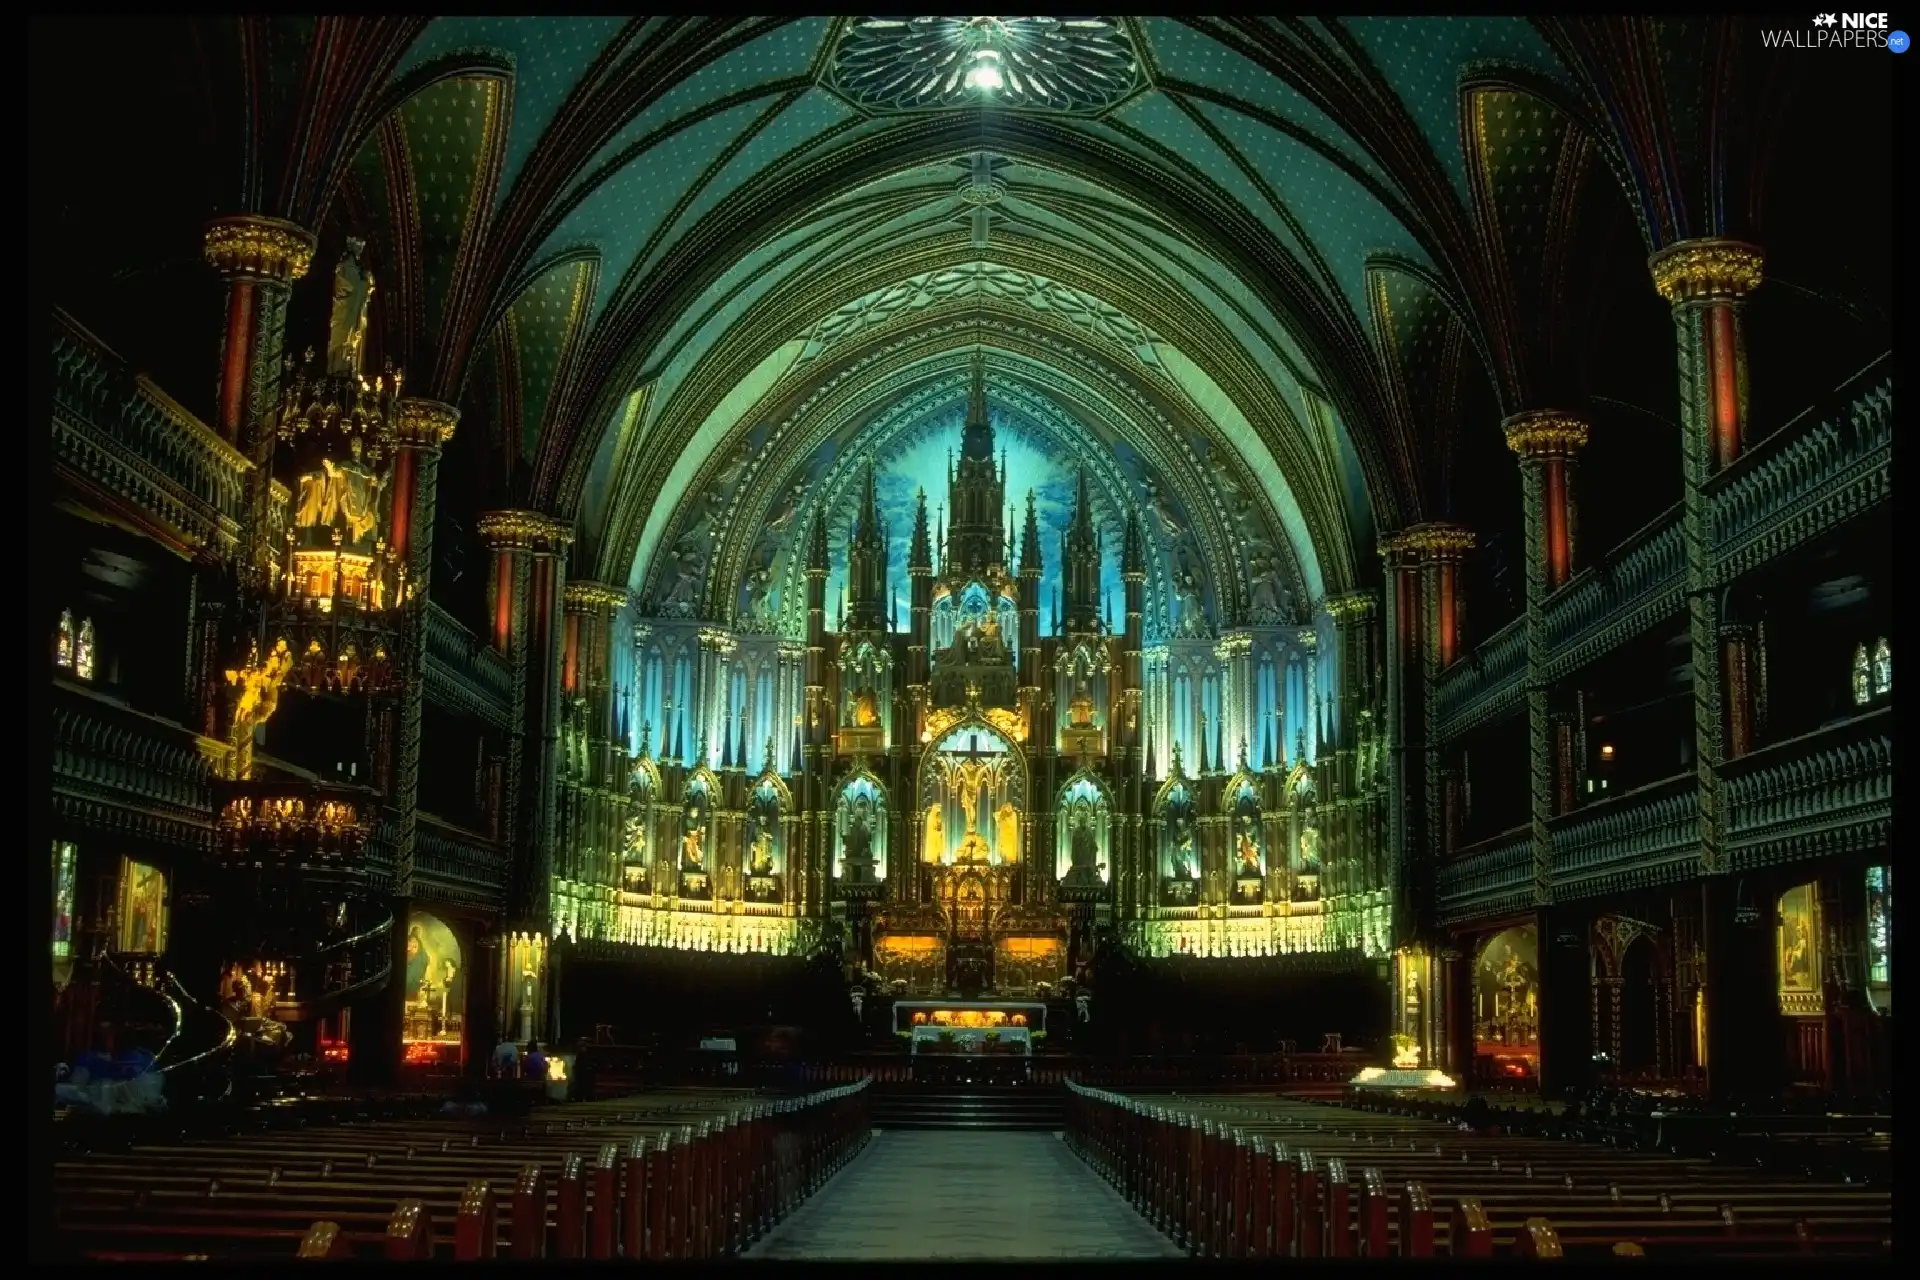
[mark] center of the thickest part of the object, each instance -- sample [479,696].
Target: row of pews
[670,1175]
[1237,1176]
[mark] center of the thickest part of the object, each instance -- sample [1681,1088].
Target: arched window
[1862,677]
[1882,668]
[73,645]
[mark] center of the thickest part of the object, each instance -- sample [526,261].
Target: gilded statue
[760,863]
[1080,710]
[1006,821]
[934,844]
[691,847]
[969,777]
[257,695]
[1183,862]
[1248,850]
[866,708]
[352,300]
[340,493]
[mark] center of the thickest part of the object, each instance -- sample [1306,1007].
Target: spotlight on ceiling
[984,74]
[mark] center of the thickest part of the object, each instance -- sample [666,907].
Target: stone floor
[974,1194]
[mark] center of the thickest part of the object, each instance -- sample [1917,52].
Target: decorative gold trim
[260,248]
[589,597]
[1436,541]
[1351,607]
[525,531]
[1545,433]
[1706,268]
[423,422]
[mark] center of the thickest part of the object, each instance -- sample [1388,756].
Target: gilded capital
[1695,269]
[259,248]
[525,531]
[1354,606]
[594,597]
[1438,542]
[1545,433]
[425,423]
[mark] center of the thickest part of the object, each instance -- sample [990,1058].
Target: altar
[1010,1040]
[1028,1018]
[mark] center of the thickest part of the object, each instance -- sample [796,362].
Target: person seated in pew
[506,1059]
[466,1102]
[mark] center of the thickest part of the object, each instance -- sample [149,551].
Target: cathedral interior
[830,559]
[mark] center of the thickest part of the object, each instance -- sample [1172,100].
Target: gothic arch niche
[866,698]
[1084,823]
[1083,690]
[696,834]
[769,805]
[1633,1019]
[1240,802]
[1175,816]
[973,789]
[860,831]
[636,848]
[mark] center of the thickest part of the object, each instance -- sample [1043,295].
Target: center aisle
[996,1194]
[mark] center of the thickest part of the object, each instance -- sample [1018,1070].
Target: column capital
[1354,606]
[1437,542]
[525,531]
[1695,270]
[1546,433]
[594,597]
[423,423]
[251,246]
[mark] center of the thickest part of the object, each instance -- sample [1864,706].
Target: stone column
[528,580]
[1404,731]
[1547,442]
[592,609]
[1705,282]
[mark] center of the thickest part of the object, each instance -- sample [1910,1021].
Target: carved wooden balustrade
[1486,879]
[116,431]
[1643,837]
[125,773]
[312,826]
[1822,468]
[1486,684]
[452,864]
[1823,793]
[464,672]
[1826,466]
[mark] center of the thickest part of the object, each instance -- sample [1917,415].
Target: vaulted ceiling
[666,265]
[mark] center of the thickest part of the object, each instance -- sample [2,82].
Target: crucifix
[973,771]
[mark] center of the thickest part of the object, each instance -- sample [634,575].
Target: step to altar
[1030,1107]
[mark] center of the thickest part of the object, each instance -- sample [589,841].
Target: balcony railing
[1640,582]
[1822,468]
[1488,878]
[458,865]
[1486,682]
[464,672]
[1831,462]
[127,772]
[1647,836]
[1826,792]
[119,431]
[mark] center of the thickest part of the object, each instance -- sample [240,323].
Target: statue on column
[352,302]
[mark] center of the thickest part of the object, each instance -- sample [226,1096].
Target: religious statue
[352,299]
[691,847]
[856,849]
[1248,848]
[934,844]
[1007,832]
[1169,520]
[1193,613]
[1184,867]
[866,707]
[1080,710]
[760,863]
[758,590]
[343,493]
[969,777]
[1310,852]
[783,512]
[257,686]
[1085,852]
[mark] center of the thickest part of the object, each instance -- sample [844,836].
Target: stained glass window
[1879,926]
[63,647]
[83,651]
[1882,668]
[64,857]
[1862,677]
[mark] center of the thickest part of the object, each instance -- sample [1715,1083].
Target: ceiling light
[985,72]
